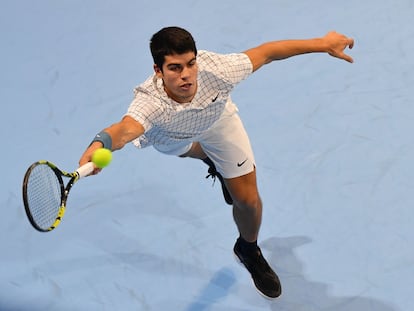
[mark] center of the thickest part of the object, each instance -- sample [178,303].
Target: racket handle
[85,169]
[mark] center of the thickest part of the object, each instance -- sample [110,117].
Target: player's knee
[248,202]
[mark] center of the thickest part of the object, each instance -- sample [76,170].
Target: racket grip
[85,169]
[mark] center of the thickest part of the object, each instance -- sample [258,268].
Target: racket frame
[64,190]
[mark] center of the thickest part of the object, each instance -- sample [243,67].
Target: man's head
[174,53]
[169,41]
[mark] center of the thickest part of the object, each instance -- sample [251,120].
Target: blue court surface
[333,143]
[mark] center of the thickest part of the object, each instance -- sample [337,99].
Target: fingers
[343,56]
[338,43]
[87,157]
[350,43]
[347,42]
[96,171]
[348,58]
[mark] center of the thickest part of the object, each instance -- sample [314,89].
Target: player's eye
[175,68]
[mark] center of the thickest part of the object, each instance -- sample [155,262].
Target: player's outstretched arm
[332,43]
[120,134]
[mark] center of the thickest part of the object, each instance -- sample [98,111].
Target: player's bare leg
[247,213]
[247,205]
[195,152]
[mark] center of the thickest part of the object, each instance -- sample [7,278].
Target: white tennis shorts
[226,143]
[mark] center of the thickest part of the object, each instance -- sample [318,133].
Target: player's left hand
[337,43]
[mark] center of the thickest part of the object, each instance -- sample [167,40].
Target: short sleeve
[232,68]
[144,110]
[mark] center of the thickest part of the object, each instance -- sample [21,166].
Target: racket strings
[43,195]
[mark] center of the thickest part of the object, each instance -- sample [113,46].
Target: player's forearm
[278,50]
[332,43]
[114,138]
[123,132]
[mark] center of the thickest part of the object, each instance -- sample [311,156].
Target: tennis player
[184,109]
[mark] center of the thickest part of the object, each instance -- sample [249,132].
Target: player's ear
[157,70]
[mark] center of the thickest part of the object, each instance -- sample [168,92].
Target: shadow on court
[215,290]
[300,294]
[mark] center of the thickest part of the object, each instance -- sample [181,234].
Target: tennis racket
[45,194]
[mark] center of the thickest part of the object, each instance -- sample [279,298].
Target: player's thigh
[195,151]
[243,189]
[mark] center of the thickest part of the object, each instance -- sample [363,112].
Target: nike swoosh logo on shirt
[241,163]
[215,98]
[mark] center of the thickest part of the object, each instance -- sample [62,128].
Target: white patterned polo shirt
[167,122]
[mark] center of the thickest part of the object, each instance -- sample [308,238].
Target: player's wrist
[104,138]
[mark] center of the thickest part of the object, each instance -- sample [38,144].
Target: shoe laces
[213,174]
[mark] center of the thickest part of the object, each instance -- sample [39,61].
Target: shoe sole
[238,260]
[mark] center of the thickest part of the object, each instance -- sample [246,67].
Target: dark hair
[169,41]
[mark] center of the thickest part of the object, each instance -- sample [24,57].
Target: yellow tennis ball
[102,157]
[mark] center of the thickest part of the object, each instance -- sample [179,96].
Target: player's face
[179,74]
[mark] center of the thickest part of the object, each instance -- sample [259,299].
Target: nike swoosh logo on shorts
[241,163]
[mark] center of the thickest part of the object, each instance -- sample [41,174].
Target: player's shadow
[300,294]
[216,290]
